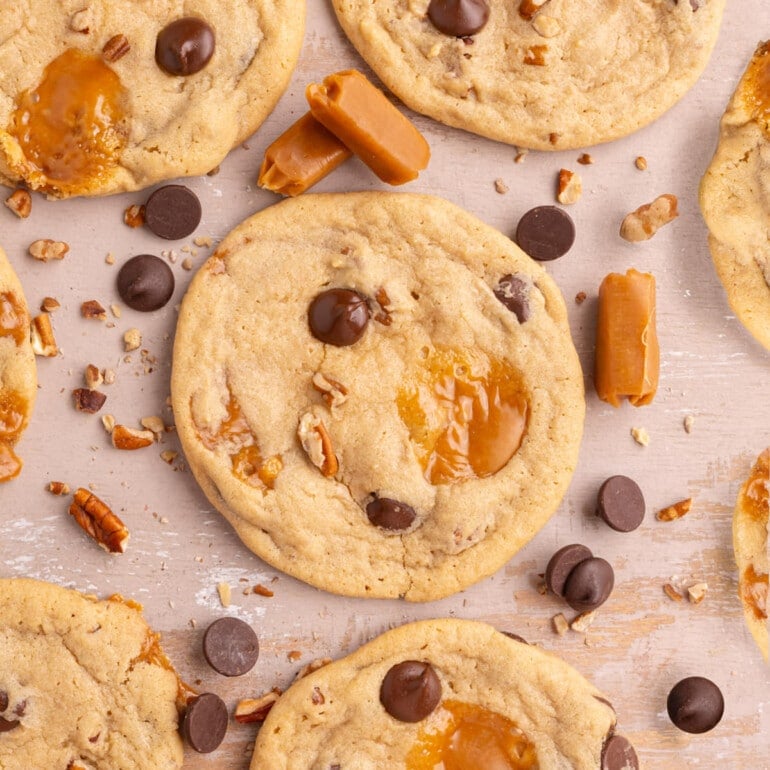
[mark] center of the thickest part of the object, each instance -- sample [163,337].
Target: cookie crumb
[688,423]
[132,339]
[500,186]
[583,621]
[697,593]
[641,436]
[560,624]
[225,593]
[110,259]
[520,155]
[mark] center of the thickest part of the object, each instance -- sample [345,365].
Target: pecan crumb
[96,518]
[585,159]
[675,511]
[58,488]
[262,590]
[45,249]
[93,377]
[501,187]
[20,203]
[644,222]
[641,436]
[569,188]
[672,593]
[256,709]
[583,621]
[168,456]
[110,258]
[688,423]
[641,163]
[294,655]
[560,624]
[132,339]
[93,310]
[225,593]
[521,154]
[42,336]
[697,593]
[116,48]
[109,422]
[88,400]
[49,304]
[127,438]
[580,298]
[203,241]
[133,216]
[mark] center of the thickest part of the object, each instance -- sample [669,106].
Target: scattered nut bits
[688,423]
[256,709]
[93,377]
[153,423]
[58,488]
[642,224]
[529,8]
[641,436]
[109,422]
[49,304]
[583,621]
[262,590]
[225,593]
[580,298]
[672,593]
[501,186]
[317,443]
[294,655]
[109,376]
[131,438]
[697,593]
[585,159]
[20,203]
[168,456]
[93,310]
[45,249]
[560,624]
[333,393]
[641,163]
[570,187]
[96,518]
[675,511]
[88,400]
[132,339]
[116,48]
[42,337]
[133,216]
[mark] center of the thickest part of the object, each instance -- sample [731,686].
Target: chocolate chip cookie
[18,377]
[378,391]
[83,683]
[735,198]
[545,74]
[102,96]
[443,693]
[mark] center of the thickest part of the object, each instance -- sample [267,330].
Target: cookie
[104,96]
[378,391]
[735,198]
[443,693]
[543,74]
[750,522]
[83,683]
[18,377]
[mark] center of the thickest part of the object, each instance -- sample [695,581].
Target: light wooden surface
[641,642]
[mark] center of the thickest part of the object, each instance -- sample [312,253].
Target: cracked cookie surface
[574,74]
[106,117]
[495,692]
[735,198]
[419,456]
[81,684]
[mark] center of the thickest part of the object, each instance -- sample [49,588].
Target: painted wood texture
[641,642]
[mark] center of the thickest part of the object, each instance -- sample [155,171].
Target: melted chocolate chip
[338,317]
[3,700]
[619,754]
[184,46]
[561,565]
[458,17]
[8,725]
[513,292]
[145,283]
[621,503]
[589,584]
[546,233]
[695,704]
[390,514]
[230,646]
[172,212]
[410,691]
[205,722]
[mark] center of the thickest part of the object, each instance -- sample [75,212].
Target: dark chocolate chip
[589,584]
[184,46]
[205,722]
[338,317]
[513,292]
[390,514]
[8,725]
[3,700]
[621,503]
[145,283]
[695,704]
[230,646]
[546,233]
[458,17]
[172,212]
[619,754]
[410,691]
[562,563]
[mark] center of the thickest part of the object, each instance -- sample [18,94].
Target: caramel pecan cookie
[83,684]
[101,96]
[735,198]
[545,74]
[18,378]
[378,391]
[443,693]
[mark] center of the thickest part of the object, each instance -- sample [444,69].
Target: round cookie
[83,683]
[544,74]
[735,198]
[492,691]
[414,459]
[106,117]
[750,522]
[18,376]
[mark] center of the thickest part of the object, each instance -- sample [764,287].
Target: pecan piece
[87,400]
[133,216]
[116,48]
[20,202]
[317,443]
[644,222]
[96,518]
[41,336]
[93,309]
[130,438]
[256,709]
[570,187]
[675,511]
[45,249]
[334,393]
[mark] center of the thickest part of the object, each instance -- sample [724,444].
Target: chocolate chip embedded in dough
[230,646]
[205,722]
[410,691]
[546,233]
[458,17]
[561,565]
[3,700]
[387,513]
[513,292]
[619,754]
[184,46]
[695,704]
[589,584]
[172,212]
[7,725]
[145,283]
[338,317]
[621,503]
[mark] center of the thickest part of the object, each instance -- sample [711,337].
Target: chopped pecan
[500,186]
[45,249]
[583,621]
[570,187]
[124,437]
[20,202]
[675,511]
[641,163]
[293,655]
[58,488]
[672,593]
[92,309]
[88,400]
[644,222]
[535,56]
[317,443]
[133,216]
[529,8]
[42,337]
[383,300]
[116,48]
[697,593]
[49,304]
[256,709]
[96,518]
[560,624]
[132,339]
[262,590]
[585,159]
[309,668]
[546,26]
[332,391]
[93,377]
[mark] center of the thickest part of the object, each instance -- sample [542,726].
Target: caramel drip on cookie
[754,589]
[755,496]
[757,85]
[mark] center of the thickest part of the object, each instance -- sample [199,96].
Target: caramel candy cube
[301,156]
[361,116]
[627,352]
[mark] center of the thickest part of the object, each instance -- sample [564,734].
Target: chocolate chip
[589,584]
[3,700]
[458,17]
[145,283]
[205,722]
[513,292]
[621,503]
[695,704]
[338,317]
[7,726]
[561,565]
[184,46]
[390,514]
[410,691]
[546,233]
[619,754]
[172,212]
[230,646]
